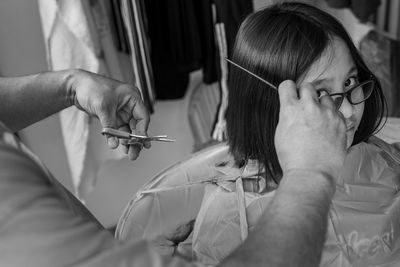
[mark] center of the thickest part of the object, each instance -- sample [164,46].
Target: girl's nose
[346,108]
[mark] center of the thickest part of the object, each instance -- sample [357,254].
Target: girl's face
[336,72]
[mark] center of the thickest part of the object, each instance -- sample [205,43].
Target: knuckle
[101,104]
[131,89]
[312,107]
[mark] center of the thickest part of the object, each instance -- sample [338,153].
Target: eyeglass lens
[355,95]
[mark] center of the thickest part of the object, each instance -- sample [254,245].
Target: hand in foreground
[311,133]
[168,244]
[117,105]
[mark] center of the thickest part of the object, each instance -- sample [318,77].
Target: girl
[302,43]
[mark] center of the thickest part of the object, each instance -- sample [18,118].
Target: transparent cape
[363,223]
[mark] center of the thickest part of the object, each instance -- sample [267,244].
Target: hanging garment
[182,40]
[77,35]
[219,129]
[135,23]
[232,13]
[121,39]
[206,23]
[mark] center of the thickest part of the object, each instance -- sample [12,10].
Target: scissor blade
[137,136]
[159,136]
[116,133]
[152,139]
[165,140]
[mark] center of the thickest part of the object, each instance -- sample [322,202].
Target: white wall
[22,49]
[22,52]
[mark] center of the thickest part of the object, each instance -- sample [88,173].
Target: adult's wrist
[69,78]
[304,180]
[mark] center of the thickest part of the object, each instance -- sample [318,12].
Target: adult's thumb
[108,119]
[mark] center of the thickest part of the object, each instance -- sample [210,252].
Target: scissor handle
[121,134]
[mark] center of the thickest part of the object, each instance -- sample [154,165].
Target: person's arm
[29,99]
[311,145]
[291,231]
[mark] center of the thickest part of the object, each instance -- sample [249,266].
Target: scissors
[135,138]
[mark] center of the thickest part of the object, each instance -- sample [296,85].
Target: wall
[22,52]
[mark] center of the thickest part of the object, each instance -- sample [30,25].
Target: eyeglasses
[357,94]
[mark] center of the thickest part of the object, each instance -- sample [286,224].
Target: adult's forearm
[28,99]
[292,230]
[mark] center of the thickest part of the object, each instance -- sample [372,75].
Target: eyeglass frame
[347,94]
[344,94]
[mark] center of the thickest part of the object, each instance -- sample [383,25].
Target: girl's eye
[351,81]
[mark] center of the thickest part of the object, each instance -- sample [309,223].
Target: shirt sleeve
[39,226]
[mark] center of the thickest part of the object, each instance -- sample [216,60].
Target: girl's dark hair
[278,43]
